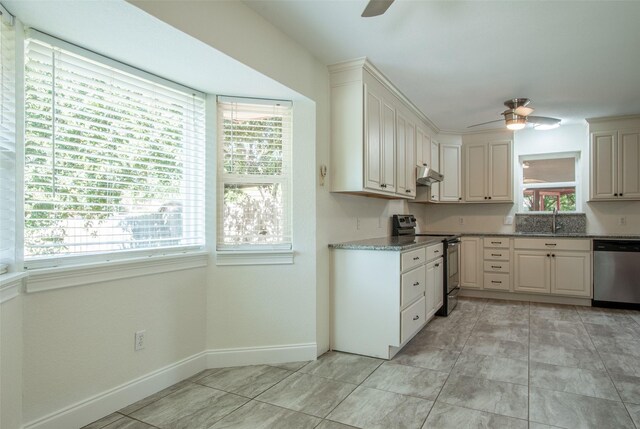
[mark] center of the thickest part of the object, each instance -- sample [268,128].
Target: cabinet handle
[436,251]
[551,244]
[496,254]
[416,317]
[416,283]
[496,266]
[407,190]
[415,258]
[496,242]
[495,281]
[437,265]
[382,185]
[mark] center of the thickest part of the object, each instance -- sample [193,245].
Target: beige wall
[78,341]
[11,363]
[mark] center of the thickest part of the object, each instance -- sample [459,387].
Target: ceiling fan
[518,115]
[376,7]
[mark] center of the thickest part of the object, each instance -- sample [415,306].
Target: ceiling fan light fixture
[516,124]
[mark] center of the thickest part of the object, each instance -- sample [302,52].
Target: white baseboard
[221,358]
[102,404]
[93,408]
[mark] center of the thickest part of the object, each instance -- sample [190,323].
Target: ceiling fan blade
[485,123]
[523,111]
[542,120]
[376,7]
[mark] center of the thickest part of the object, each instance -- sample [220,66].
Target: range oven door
[453,265]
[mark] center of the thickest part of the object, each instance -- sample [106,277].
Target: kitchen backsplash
[569,223]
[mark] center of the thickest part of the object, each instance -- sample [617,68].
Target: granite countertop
[408,243]
[389,243]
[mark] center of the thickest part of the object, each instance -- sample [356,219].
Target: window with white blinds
[114,161]
[254,174]
[7,140]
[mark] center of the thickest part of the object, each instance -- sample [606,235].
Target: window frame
[253,254]
[45,268]
[577,183]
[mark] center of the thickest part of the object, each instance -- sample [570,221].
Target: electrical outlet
[357,223]
[508,220]
[461,220]
[622,221]
[139,340]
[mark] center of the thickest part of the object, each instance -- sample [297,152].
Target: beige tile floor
[490,364]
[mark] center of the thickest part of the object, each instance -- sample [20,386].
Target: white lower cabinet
[471,262]
[381,299]
[556,266]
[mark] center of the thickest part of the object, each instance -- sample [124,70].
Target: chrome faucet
[554,226]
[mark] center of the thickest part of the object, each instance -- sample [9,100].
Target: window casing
[254,174]
[114,159]
[7,140]
[550,181]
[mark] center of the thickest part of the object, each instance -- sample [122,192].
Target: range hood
[426,176]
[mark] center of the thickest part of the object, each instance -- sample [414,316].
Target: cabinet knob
[433,196]
[615,195]
[459,198]
[485,198]
[489,197]
[407,190]
[548,255]
[553,255]
[437,265]
[619,195]
[416,317]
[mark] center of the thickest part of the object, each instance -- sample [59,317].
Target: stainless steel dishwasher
[616,273]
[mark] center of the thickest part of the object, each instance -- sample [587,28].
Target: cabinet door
[603,165]
[423,147]
[499,174]
[430,291]
[435,164]
[629,165]
[470,266]
[532,270]
[450,161]
[401,149]
[571,273]
[388,146]
[410,158]
[475,162]
[439,284]
[373,140]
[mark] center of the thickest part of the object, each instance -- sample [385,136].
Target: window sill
[11,285]
[79,275]
[253,257]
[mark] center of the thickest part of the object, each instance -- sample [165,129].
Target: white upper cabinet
[423,147]
[488,172]
[450,162]
[615,159]
[405,154]
[374,133]
[435,164]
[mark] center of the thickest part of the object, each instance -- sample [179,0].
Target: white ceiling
[459,60]
[121,31]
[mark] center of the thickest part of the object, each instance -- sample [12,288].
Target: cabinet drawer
[497,266]
[435,252]
[412,285]
[502,242]
[552,244]
[412,319]
[498,281]
[413,258]
[496,254]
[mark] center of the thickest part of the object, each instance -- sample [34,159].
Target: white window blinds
[254,174]
[7,140]
[113,162]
